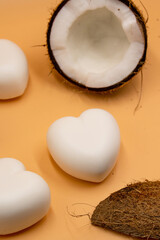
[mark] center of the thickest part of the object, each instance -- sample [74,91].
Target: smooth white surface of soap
[85,147]
[24,197]
[13,70]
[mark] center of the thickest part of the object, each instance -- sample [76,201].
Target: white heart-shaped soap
[24,197]
[14,72]
[85,147]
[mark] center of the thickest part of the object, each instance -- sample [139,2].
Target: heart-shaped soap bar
[14,71]
[24,197]
[85,147]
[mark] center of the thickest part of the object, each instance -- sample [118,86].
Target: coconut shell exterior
[133,210]
[141,22]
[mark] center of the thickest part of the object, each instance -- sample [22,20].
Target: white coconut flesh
[97,43]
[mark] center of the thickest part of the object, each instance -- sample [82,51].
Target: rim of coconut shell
[140,19]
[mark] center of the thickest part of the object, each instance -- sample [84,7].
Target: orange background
[24,122]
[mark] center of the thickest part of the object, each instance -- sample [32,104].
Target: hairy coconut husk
[133,210]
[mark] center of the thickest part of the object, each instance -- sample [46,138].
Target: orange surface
[25,121]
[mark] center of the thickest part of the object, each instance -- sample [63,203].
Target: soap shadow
[56,176]
[37,226]
[70,179]
[78,182]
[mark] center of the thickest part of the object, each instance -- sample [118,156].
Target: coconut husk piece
[133,210]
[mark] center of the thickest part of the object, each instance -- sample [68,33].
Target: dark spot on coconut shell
[142,23]
[133,210]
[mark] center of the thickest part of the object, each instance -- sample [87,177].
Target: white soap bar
[13,70]
[24,197]
[85,147]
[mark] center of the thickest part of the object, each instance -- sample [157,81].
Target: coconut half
[97,44]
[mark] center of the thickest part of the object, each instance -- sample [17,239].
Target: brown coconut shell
[133,210]
[142,24]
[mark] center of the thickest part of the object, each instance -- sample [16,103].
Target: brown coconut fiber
[133,210]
